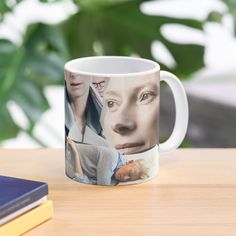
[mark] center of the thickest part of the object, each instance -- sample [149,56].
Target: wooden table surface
[194,194]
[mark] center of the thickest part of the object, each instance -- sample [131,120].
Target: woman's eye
[112,105]
[147,97]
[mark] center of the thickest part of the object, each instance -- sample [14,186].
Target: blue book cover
[17,193]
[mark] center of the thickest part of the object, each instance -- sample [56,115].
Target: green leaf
[31,99]
[91,5]
[49,1]
[215,16]
[4,8]
[25,70]
[7,6]
[122,29]
[101,27]
[8,128]
[189,58]
[10,59]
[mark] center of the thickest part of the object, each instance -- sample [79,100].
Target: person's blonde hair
[148,167]
[144,169]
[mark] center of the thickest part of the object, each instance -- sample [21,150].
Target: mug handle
[181,110]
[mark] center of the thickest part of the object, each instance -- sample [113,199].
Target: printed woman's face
[130,113]
[98,83]
[77,85]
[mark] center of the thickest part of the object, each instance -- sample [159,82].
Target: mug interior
[111,66]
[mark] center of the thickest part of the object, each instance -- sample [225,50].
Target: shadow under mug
[112,119]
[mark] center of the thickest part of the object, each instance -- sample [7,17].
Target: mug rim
[155,65]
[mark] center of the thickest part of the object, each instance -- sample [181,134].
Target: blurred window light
[161,53]
[221,47]
[182,34]
[18,115]
[50,128]
[183,8]
[15,23]
[22,140]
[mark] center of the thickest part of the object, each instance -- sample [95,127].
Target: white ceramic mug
[112,119]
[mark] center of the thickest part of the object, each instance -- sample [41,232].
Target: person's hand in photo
[72,146]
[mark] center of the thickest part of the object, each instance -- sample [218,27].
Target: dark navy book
[17,193]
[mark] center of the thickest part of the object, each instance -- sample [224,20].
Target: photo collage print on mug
[112,128]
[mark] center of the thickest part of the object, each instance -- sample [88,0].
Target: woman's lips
[129,147]
[76,85]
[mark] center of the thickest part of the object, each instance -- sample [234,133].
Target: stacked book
[23,205]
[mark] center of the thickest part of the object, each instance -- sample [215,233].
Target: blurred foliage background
[98,27]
